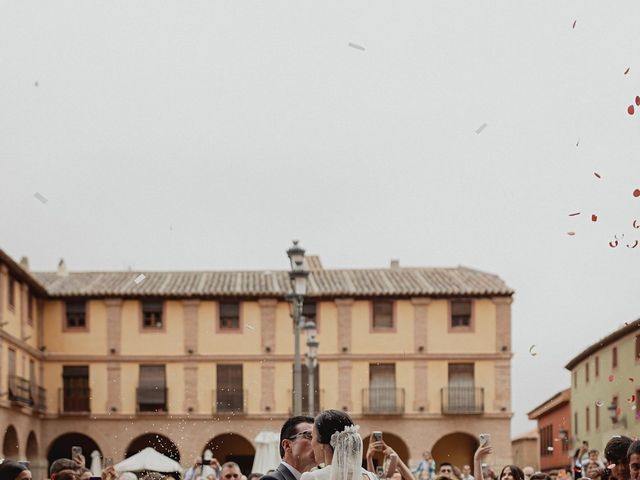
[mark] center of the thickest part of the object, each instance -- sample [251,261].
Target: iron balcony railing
[383,401]
[317,405]
[462,400]
[229,400]
[74,400]
[20,390]
[40,395]
[152,399]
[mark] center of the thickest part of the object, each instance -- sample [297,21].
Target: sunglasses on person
[306,435]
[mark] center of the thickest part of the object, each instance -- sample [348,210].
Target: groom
[295,450]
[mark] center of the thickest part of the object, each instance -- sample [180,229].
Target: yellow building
[185,361]
[605,388]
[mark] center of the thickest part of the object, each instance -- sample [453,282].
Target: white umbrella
[96,464]
[267,452]
[148,459]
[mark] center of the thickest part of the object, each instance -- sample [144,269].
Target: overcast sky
[171,135]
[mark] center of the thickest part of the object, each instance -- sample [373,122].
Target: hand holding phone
[377,437]
[485,439]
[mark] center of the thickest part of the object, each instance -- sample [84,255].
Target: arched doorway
[394,441]
[61,446]
[10,447]
[158,442]
[32,447]
[231,447]
[455,448]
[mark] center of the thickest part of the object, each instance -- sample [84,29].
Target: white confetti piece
[357,47]
[40,197]
[139,279]
[533,351]
[250,327]
[481,128]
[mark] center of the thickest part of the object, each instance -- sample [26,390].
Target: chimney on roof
[62,268]
[313,262]
[395,263]
[24,263]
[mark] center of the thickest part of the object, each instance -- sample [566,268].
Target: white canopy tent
[148,459]
[267,452]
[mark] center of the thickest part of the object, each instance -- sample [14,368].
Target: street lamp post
[298,281]
[312,361]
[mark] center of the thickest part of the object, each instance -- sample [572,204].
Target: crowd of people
[329,447]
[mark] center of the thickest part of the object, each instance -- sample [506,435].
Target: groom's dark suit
[280,473]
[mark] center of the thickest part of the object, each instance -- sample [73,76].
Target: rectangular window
[12,292]
[76,316]
[152,389]
[586,372]
[597,365]
[229,315]
[575,423]
[638,404]
[152,314]
[229,389]
[30,301]
[382,315]
[587,419]
[614,357]
[461,395]
[596,413]
[546,441]
[460,313]
[75,389]
[382,388]
[309,311]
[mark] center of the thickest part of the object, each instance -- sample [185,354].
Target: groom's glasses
[307,435]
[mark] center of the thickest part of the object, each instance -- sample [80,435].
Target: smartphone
[108,462]
[380,471]
[485,439]
[485,469]
[76,452]
[377,437]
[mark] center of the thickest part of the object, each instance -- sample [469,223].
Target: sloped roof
[552,403]
[398,282]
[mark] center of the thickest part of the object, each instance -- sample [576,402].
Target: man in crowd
[633,458]
[446,470]
[616,454]
[528,472]
[295,450]
[230,471]
[466,473]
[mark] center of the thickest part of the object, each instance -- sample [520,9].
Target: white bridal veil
[347,454]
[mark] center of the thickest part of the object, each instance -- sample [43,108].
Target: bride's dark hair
[329,422]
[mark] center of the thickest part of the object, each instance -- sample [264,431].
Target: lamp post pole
[312,361]
[298,280]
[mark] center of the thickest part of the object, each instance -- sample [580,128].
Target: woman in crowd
[10,470]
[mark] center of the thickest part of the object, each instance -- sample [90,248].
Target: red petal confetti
[636,193]
[574,24]
[613,244]
[574,214]
[631,379]
[634,245]
[597,174]
[611,377]
[635,224]
[594,218]
[571,234]
[632,399]
[631,110]
[638,100]
[627,70]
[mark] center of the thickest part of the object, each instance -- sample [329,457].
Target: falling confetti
[618,411]
[139,279]
[627,70]
[613,243]
[636,193]
[550,448]
[357,47]
[638,100]
[574,23]
[481,128]
[631,110]
[634,245]
[574,214]
[578,142]
[599,403]
[631,379]
[571,234]
[594,218]
[635,224]
[250,327]
[631,399]
[532,351]
[611,377]
[40,197]
[597,174]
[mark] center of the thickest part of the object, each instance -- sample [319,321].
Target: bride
[337,443]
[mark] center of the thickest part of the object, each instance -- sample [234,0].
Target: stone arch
[10,445]
[232,447]
[32,446]
[61,446]
[157,441]
[455,448]
[394,441]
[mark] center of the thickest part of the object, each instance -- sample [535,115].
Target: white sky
[208,134]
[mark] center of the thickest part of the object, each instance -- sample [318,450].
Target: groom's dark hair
[329,422]
[289,429]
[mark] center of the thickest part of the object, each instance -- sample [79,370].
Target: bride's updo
[330,422]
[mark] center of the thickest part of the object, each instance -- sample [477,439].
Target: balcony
[20,391]
[383,401]
[229,400]
[40,395]
[74,400]
[318,402]
[462,400]
[152,399]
